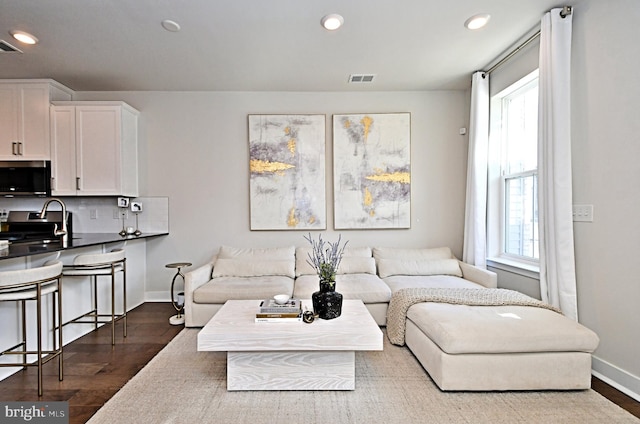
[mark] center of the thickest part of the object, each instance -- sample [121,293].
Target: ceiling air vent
[8,48]
[361,78]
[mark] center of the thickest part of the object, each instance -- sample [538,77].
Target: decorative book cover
[298,319]
[269,306]
[278,315]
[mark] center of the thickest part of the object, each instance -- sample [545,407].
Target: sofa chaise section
[489,347]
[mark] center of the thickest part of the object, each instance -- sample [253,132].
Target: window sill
[516,267]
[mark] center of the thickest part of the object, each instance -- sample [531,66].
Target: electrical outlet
[120,213]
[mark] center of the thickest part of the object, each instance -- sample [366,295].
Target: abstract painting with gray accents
[287,172]
[372,170]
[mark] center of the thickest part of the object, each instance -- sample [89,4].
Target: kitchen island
[77,240]
[78,292]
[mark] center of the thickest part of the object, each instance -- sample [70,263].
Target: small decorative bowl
[281,299]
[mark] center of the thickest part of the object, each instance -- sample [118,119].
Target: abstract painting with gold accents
[372,170]
[287,172]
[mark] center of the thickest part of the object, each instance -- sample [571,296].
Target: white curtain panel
[557,260]
[475,225]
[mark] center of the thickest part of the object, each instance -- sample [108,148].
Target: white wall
[606,173]
[194,149]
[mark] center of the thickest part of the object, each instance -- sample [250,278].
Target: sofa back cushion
[389,267]
[254,262]
[252,268]
[425,254]
[355,260]
[267,253]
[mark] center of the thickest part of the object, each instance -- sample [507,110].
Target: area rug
[181,385]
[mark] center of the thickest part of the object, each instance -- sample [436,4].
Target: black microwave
[25,178]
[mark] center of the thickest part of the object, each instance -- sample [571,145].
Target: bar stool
[33,284]
[94,266]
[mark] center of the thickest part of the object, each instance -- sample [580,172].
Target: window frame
[497,178]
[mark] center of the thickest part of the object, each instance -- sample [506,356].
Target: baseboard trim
[157,296]
[618,378]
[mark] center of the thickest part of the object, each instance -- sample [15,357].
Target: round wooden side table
[178,300]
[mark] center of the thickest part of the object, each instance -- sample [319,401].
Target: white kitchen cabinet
[94,149]
[24,117]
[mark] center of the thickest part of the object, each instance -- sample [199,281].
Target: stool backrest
[49,271]
[99,258]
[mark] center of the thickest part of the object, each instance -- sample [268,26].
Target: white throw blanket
[403,299]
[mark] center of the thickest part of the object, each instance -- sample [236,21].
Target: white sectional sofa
[463,347]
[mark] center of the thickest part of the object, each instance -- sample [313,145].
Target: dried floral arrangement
[325,260]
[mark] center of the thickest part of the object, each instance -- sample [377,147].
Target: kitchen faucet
[57,232]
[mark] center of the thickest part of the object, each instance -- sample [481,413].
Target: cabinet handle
[20,148]
[78,183]
[14,148]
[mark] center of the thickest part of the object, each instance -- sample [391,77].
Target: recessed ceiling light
[24,37]
[170,25]
[477,21]
[332,22]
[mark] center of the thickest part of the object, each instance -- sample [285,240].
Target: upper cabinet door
[95,149]
[24,119]
[34,122]
[63,151]
[9,121]
[98,149]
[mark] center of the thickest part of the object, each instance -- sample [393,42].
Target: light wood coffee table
[290,356]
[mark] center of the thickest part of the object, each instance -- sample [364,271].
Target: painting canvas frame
[287,172]
[372,170]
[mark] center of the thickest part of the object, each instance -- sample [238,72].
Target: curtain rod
[566,10]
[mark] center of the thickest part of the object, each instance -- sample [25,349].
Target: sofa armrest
[481,276]
[192,280]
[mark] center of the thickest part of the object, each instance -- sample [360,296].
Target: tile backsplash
[102,214]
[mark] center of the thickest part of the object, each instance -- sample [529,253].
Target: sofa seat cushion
[398,282]
[366,287]
[463,329]
[221,289]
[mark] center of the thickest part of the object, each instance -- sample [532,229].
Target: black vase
[327,302]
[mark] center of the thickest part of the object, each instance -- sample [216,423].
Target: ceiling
[260,45]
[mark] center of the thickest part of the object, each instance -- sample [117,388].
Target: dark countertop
[19,249]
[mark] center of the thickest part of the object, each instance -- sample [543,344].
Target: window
[513,173]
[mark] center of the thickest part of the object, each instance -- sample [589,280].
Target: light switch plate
[583,213]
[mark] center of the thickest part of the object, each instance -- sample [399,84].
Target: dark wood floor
[94,370]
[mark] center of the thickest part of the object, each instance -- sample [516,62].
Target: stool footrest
[47,356]
[12,348]
[97,318]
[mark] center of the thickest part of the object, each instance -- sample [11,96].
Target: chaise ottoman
[486,348]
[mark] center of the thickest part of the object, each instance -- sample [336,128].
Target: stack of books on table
[270,311]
